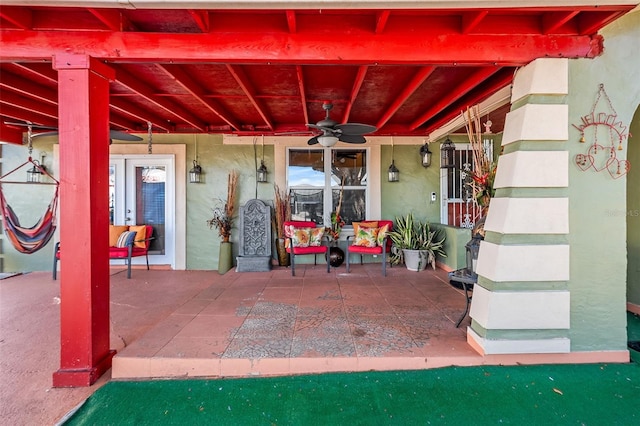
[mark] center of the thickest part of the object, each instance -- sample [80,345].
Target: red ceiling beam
[10,81]
[143,116]
[111,18]
[135,84]
[44,71]
[182,78]
[333,47]
[470,83]
[10,134]
[201,18]
[12,98]
[291,22]
[21,17]
[27,116]
[247,87]
[471,20]
[355,89]
[417,80]
[381,21]
[303,94]
[590,23]
[487,91]
[552,21]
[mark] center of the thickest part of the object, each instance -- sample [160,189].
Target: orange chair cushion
[141,234]
[366,237]
[381,234]
[114,233]
[301,237]
[315,237]
[364,224]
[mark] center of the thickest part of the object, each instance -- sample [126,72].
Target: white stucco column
[521,303]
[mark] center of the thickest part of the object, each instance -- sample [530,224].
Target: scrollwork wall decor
[606,135]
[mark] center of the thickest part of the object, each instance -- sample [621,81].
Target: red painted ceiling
[254,72]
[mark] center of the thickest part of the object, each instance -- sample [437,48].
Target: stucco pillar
[521,303]
[83,99]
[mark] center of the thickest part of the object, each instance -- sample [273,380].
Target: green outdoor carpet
[594,394]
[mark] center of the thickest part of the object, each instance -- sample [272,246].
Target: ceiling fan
[332,132]
[113,134]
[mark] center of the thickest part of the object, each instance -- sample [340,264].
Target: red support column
[83,99]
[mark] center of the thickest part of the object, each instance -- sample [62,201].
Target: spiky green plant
[412,234]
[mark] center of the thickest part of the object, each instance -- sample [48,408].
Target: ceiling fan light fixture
[327,140]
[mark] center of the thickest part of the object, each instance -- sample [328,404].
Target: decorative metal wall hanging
[606,135]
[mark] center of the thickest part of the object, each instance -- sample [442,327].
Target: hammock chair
[29,240]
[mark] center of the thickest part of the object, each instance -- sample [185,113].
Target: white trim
[524,123]
[540,346]
[521,310]
[528,216]
[533,169]
[544,76]
[524,263]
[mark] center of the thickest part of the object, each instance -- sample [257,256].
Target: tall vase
[283,257]
[225,258]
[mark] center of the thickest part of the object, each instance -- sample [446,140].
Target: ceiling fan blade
[313,141]
[322,128]
[113,134]
[33,126]
[123,136]
[352,138]
[355,128]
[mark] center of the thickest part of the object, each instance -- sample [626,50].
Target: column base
[82,377]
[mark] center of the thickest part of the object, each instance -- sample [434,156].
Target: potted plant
[282,213]
[415,243]
[222,220]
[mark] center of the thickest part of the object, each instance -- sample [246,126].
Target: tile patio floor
[270,323]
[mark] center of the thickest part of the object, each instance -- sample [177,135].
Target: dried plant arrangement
[222,218]
[282,206]
[484,168]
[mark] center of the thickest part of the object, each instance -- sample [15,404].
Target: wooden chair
[377,250]
[129,250]
[299,251]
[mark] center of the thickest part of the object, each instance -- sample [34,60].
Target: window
[315,194]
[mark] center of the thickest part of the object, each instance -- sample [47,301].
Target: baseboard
[633,308]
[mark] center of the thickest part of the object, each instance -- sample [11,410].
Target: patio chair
[364,244]
[302,238]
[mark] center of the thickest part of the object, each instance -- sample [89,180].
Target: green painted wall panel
[598,234]
[633,213]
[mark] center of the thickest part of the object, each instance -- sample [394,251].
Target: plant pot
[225,258]
[415,260]
[283,257]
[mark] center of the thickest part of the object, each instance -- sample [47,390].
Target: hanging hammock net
[28,239]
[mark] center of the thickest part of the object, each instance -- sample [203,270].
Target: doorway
[142,191]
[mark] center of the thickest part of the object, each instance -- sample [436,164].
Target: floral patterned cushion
[301,237]
[358,225]
[382,233]
[366,237]
[315,237]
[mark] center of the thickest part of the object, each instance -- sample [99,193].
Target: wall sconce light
[195,174]
[34,175]
[425,155]
[447,151]
[394,173]
[261,172]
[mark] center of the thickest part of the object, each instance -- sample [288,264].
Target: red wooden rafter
[247,87]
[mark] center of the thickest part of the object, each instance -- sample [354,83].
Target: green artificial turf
[593,394]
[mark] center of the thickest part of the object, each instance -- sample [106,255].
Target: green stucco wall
[633,214]
[598,203]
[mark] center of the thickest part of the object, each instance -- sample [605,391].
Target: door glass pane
[150,203]
[112,194]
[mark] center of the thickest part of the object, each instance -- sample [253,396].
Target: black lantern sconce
[425,155]
[394,173]
[195,174]
[447,151]
[35,174]
[262,172]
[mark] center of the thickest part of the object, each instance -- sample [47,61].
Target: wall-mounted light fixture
[195,174]
[35,174]
[447,151]
[425,155]
[394,173]
[261,172]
